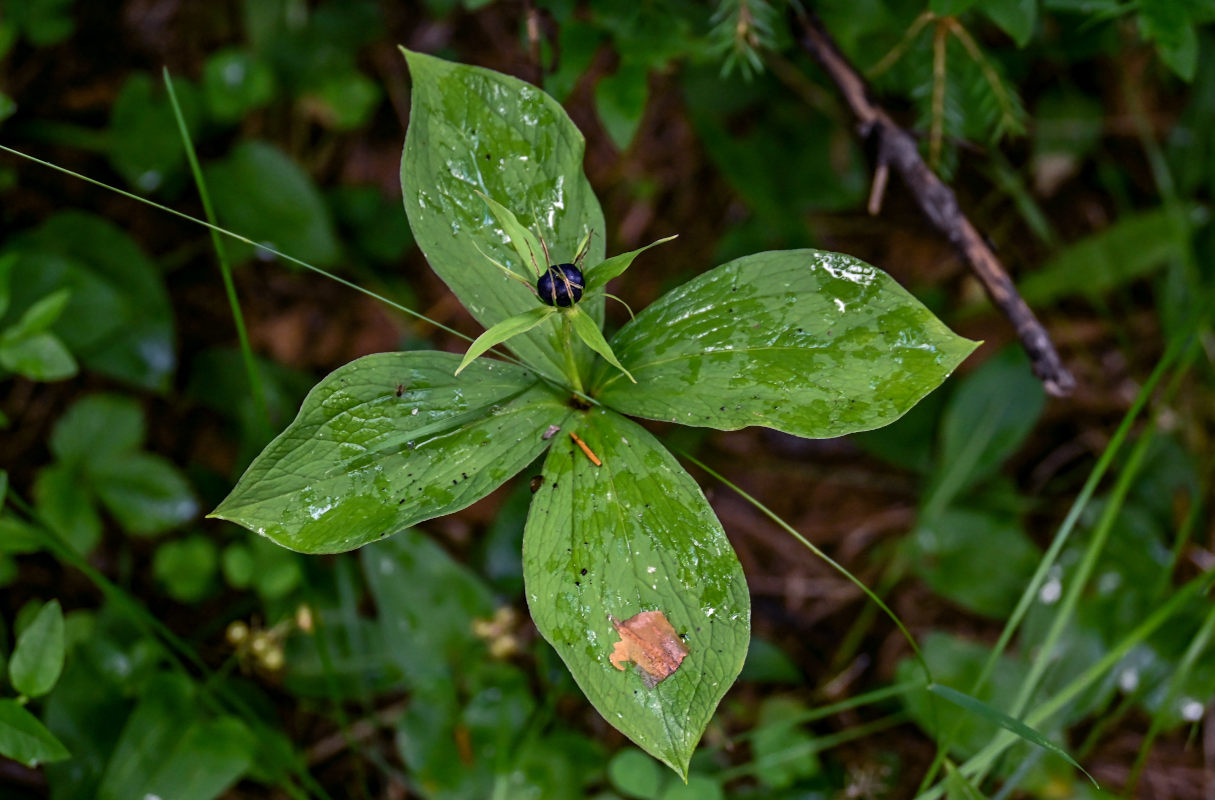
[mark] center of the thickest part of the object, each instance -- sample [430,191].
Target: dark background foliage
[1079,140]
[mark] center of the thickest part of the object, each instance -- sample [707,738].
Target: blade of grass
[860,700]
[818,745]
[991,714]
[1101,533]
[225,265]
[1196,648]
[1163,613]
[1060,539]
[814,549]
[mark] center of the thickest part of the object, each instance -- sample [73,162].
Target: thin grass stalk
[225,266]
[1196,648]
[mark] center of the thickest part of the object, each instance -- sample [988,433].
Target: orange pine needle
[594,458]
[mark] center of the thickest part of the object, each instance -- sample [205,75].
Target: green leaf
[959,662]
[41,357]
[620,99]
[168,750]
[427,603]
[986,420]
[698,787]
[811,343]
[145,146]
[7,262]
[261,193]
[146,493]
[1015,17]
[38,317]
[65,502]
[390,440]
[473,131]
[784,752]
[1168,24]
[948,8]
[520,323]
[957,786]
[186,568]
[978,707]
[343,101]
[38,657]
[633,535]
[118,321]
[1134,246]
[235,82]
[525,243]
[592,337]
[948,550]
[23,738]
[44,22]
[98,428]
[598,276]
[634,774]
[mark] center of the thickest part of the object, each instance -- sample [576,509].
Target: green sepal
[524,241]
[598,276]
[520,323]
[592,337]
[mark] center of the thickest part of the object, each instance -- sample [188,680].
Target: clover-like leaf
[631,535]
[389,440]
[808,342]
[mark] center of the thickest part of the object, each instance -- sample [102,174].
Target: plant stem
[567,347]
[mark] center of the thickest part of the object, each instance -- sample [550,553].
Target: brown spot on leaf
[648,640]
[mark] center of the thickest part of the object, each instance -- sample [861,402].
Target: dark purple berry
[561,285]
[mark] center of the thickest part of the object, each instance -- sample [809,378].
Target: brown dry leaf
[648,640]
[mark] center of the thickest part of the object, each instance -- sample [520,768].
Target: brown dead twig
[897,148]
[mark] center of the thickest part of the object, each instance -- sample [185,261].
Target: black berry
[561,285]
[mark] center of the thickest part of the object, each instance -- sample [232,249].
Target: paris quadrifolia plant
[628,572]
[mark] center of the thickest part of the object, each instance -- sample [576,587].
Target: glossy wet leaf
[389,440]
[503,331]
[37,659]
[474,130]
[23,738]
[632,535]
[811,343]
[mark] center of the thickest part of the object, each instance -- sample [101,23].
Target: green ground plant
[812,343]
[148,651]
